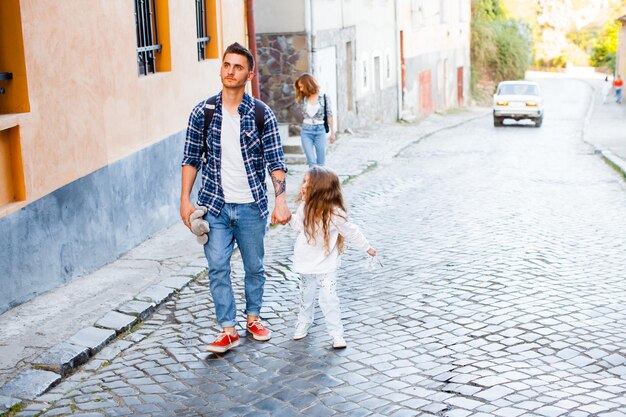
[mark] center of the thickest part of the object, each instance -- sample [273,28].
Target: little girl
[322,226]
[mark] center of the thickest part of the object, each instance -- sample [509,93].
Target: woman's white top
[311,258]
[312,108]
[314,112]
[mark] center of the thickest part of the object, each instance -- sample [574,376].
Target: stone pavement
[502,294]
[49,337]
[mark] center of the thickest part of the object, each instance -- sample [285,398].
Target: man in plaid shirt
[234,192]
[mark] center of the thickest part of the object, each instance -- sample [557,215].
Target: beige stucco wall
[375,37]
[427,33]
[88,106]
[278,16]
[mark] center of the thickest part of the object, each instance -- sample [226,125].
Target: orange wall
[15,98]
[88,106]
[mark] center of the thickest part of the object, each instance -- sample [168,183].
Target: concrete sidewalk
[45,339]
[606,127]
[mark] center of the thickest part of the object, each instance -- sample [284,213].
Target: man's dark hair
[239,49]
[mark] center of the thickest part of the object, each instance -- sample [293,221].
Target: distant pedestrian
[233,158]
[618,83]
[607,85]
[322,225]
[318,119]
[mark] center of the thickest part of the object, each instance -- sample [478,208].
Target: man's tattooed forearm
[280,186]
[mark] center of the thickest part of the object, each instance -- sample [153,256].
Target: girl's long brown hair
[310,86]
[323,199]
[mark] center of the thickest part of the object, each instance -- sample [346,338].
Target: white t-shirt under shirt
[311,109]
[311,257]
[234,177]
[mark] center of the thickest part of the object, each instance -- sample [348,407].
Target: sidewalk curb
[61,360]
[614,161]
[435,131]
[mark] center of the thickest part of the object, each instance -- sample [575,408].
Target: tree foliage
[605,46]
[500,46]
[584,39]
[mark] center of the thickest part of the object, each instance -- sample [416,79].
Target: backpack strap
[259,116]
[209,109]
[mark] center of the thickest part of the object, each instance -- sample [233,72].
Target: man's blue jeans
[241,223]
[314,144]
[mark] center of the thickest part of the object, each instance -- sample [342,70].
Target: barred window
[147,36]
[201,29]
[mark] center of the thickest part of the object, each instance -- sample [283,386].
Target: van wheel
[538,122]
[497,121]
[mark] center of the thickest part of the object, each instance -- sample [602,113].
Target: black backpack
[209,109]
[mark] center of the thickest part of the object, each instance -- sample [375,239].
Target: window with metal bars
[147,36]
[201,29]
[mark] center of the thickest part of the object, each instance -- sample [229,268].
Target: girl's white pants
[329,301]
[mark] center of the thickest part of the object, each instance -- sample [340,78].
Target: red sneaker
[225,341]
[258,330]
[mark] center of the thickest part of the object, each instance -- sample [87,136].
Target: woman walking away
[606,89]
[316,108]
[322,225]
[618,83]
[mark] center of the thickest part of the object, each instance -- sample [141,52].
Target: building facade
[94,101]
[434,55]
[380,60]
[347,45]
[620,65]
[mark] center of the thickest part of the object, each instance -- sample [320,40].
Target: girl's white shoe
[339,342]
[302,330]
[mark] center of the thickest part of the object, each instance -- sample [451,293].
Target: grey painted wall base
[90,222]
[371,109]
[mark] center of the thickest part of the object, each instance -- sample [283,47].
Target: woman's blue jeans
[241,223]
[314,144]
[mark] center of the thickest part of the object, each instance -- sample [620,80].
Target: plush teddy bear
[199,226]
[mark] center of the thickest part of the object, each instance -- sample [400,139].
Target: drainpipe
[398,63]
[618,58]
[252,44]
[342,21]
[308,10]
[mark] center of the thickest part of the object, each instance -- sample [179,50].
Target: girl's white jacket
[311,258]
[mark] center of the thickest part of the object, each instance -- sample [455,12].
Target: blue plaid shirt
[257,152]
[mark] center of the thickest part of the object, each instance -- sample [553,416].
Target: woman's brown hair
[323,200]
[309,84]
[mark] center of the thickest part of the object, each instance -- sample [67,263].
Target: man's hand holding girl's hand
[281,213]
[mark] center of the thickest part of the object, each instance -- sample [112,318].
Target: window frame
[147,36]
[202,34]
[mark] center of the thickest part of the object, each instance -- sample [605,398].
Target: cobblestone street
[502,294]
